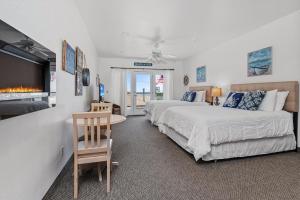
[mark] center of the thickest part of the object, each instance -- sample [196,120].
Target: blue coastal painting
[201,74]
[260,62]
[69,59]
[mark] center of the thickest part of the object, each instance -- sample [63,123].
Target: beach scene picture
[260,62]
[201,74]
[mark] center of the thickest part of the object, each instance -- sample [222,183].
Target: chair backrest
[91,122]
[98,107]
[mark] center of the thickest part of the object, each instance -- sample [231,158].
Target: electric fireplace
[27,74]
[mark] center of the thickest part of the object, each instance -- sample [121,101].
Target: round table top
[114,119]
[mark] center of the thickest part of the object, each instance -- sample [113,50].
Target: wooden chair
[93,149]
[98,107]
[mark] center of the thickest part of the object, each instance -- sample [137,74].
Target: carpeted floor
[154,167]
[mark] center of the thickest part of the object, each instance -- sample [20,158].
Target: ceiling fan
[31,46]
[156,55]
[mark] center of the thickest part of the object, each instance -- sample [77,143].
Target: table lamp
[216,93]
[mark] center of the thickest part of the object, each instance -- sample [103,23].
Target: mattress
[239,148]
[210,125]
[155,108]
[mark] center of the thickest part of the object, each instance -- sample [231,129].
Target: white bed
[203,131]
[154,108]
[212,133]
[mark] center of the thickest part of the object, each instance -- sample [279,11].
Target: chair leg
[75,181]
[99,172]
[108,175]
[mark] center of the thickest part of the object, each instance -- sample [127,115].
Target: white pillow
[222,100]
[269,101]
[280,100]
[200,96]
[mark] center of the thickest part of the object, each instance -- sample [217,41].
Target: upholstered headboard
[203,88]
[292,101]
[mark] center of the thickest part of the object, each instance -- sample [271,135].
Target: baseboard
[298,150]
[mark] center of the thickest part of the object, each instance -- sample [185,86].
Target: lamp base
[216,102]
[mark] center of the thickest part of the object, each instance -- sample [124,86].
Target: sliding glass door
[143,86]
[138,91]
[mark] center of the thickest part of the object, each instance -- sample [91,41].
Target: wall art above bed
[260,62]
[201,74]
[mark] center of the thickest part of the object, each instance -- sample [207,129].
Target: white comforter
[155,108]
[207,125]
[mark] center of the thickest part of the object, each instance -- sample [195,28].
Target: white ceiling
[187,26]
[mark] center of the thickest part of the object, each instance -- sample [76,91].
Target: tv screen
[101,92]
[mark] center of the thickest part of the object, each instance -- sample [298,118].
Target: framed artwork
[79,59]
[78,83]
[68,58]
[97,80]
[201,74]
[260,62]
[186,80]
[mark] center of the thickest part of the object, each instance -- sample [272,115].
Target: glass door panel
[159,86]
[142,91]
[129,94]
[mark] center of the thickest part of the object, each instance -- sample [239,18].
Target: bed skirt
[238,149]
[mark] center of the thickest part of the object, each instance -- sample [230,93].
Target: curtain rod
[139,68]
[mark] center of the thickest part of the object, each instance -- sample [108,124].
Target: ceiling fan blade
[137,36]
[168,56]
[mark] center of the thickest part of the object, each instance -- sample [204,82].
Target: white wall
[105,73]
[30,145]
[227,63]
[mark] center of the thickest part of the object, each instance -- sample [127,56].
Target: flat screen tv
[101,92]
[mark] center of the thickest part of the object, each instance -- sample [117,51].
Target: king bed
[216,132]
[154,109]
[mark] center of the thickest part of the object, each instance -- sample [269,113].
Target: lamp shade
[216,92]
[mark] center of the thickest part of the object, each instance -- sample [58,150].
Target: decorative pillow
[233,99]
[268,103]
[252,100]
[185,96]
[200,96]
[280,100]
[191,97]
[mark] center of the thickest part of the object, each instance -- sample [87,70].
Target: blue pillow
[233,99]
[191,97]
[185,96]
[252,100]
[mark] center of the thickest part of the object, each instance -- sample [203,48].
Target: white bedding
[155,108]
[210,125]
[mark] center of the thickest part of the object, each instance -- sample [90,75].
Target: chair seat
[94,154]
[103,145]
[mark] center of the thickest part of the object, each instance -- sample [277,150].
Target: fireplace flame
[20,89]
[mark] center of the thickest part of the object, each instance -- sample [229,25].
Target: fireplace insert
[27,74]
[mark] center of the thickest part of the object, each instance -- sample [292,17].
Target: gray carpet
[154,167]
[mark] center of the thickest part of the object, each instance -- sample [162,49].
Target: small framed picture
[79,59]
[201,74]
[68,58]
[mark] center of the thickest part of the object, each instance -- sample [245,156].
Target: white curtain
[118,88]
[168,85]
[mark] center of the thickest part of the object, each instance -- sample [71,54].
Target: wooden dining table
[114,119]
